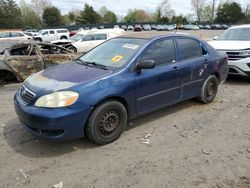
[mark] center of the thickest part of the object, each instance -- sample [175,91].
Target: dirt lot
[192,145]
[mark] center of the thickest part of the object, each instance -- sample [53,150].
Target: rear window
[62,31]
[188,48]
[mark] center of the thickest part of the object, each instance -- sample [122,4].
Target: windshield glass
[114,53]
[76,37]
[236,34]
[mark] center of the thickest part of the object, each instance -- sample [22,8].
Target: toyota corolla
[126,77]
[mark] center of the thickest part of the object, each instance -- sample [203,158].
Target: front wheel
[106,123]
[209,89]
[73,49]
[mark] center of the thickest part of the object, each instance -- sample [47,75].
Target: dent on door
[23,64]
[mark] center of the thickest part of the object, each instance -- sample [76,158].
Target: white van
[93,38]
[48,35]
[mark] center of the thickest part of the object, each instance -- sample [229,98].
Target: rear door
[159,86]
[193,59]
[24,60]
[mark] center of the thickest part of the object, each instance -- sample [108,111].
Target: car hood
[62,41]
[64,76]
[230,45]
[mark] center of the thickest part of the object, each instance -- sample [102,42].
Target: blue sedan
[121,79]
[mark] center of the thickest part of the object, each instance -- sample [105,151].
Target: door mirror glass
[145,64]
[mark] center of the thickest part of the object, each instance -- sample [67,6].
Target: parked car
[121,79]
[137,27]
[116,27]
[216,27]
[224,26]
[21,60]
[48,35]
[33,32]
[92,39]
[159,28]
[72,33]
[153,27]
[201,26]
[15,36]
[146,27]
[235,41]
[207,27]
[124,27]
[101,27]
[130,28]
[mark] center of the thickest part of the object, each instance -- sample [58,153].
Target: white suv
[48,35]
[235,41]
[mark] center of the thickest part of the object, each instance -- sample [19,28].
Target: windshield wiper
[98,65]
[92,63]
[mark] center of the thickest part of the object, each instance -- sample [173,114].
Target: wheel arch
[217,75]
[120,99]
[10,76]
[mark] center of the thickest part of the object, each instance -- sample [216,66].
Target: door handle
[206,60]
[175,68]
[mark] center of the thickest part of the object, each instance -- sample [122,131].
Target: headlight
[245,53]
[57,99]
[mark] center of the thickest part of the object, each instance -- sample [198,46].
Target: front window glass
[161,52]
[4,35]
[236,34]
[76,37]
[114,53]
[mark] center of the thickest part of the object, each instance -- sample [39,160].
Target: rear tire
[209,90]
[106,123]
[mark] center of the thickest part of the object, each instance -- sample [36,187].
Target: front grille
[26,94]
[234,56]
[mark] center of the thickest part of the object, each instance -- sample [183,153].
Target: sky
[120,7]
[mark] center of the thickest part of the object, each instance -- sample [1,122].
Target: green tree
[229,13]
[137,16]
[10,15]
[52,16]
[179,19]
[72,16]
[109,17]
[89,15]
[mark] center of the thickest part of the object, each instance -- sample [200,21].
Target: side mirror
[145,64]
[215,38]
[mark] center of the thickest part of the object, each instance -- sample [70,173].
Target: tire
[73,49]
[99,129]
[209,90]
[38,40]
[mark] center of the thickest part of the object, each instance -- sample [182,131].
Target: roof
[151,35]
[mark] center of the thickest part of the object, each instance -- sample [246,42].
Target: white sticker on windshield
[130,46]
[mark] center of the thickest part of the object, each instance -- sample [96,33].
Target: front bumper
[239,67]
[58,124]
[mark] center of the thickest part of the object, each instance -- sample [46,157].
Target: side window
[45,33]
[161,52]
[15,34]
[188,48]
[51,32]
[204,50]
[21,51]
[101,37]
[4,35]
[88,38]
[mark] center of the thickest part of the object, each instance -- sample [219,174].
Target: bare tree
[198,6]
[213,10]
[164,9]
[39,6]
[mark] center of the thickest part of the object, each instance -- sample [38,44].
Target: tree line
[41,13]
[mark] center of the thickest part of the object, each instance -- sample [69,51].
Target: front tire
[106,123]
[209,89]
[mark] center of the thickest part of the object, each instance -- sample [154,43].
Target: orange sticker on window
[117,58]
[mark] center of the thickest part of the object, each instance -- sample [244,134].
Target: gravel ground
[192,145]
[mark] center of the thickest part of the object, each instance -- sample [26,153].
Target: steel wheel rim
[109,122]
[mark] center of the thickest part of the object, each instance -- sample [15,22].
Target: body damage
[27,58]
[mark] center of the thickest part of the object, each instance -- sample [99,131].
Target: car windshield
[114,53]
[76,37]
[236,34]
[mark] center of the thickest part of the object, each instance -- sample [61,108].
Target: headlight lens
[245,53]
[57,99]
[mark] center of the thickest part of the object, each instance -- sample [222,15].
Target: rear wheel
[209,89]
[106,123]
